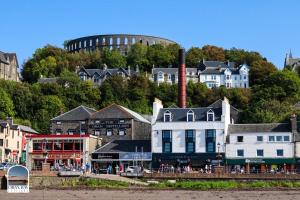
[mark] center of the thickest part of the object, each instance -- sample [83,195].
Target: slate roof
[118,146]
[256,128]
[103,72]
[180,114]
[217,67]
[23,128]
[234,112]
[172,70]
[76,114]
[4,57]
[27,129]
[118,112]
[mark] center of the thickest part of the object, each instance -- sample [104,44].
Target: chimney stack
[294,123]
[181,79]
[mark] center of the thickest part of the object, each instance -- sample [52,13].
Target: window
[13,134]
[190,141]
[210,116]
[6,142]
[37,145]
[210,138]
[109,132]
[259,138]
[97,132]
[91,42]
[78,145]
[240,152]
[122,121]
[122,132]
[190,116]
[57,145]
[68,145]
[169,77]
[245,77]
[279,152]
[71,131]
[235,78]
[167,116]
[160,75]
[279,138]
[167,141]
[1,142]
[240,138]
[228,77]
[58,123]
[240,77]
[271,138]
[259,152]
[286,138]
[48,145]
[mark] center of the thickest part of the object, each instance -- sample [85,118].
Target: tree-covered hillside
[271,97]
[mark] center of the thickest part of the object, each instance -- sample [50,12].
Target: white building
[182,136]
[260,147]
[170,75]
[216,74]
[212,73]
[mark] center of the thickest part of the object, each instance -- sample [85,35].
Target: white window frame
[190,112]
[210,112]
[167,113]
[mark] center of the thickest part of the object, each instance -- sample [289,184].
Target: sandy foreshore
[150,195]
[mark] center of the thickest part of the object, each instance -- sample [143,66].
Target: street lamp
[219,156]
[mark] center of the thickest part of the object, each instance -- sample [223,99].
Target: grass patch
[225,185]
[99,183]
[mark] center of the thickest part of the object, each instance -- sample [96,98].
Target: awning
[267,161]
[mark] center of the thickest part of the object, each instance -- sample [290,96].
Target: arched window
[167,116]
[210,115]
[190,117]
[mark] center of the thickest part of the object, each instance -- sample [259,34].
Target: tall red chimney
[181,79]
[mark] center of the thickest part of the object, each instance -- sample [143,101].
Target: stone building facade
[120,42]
[113,122]
[8,66]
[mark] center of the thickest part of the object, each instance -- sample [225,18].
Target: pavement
[114,177]
[150,195]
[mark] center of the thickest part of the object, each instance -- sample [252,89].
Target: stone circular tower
[121,42]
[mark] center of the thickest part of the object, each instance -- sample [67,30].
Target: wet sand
[149,195]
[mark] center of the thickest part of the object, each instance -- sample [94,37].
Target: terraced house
[98,76]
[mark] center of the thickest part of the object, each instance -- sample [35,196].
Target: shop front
[260,165]
[118,155]
[195,160]
[61,151]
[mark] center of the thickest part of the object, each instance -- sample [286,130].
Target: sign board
[17,179]
[111,126]
[129,156]
[255,160]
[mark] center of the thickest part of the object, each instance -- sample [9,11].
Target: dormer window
[190,116]
[160,75]
[210,115]
[167,116]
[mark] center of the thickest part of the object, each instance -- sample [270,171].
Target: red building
[61,151]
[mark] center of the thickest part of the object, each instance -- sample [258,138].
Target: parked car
[132,169]
[5,166]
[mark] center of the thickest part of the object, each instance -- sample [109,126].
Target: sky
[270,27]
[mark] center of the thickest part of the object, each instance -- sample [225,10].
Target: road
[150,195]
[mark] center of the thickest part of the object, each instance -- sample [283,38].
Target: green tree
[213,53]
[6,105]
[159,56]
[137,56]
[193,56]
[259,71]
[113,58]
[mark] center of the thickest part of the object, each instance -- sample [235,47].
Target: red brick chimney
[181,79]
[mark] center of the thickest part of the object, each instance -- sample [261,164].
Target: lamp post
[219,156]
